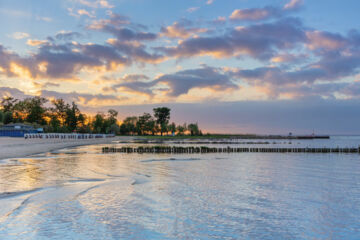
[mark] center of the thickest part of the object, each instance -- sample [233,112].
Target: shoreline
[20,147]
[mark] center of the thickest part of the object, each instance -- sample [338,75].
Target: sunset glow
[110,53]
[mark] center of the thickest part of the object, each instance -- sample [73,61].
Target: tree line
[61,117]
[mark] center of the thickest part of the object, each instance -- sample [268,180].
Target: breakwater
[203,150]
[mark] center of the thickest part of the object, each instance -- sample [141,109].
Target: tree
[34,109]
[72,114]
[162,115]
[143,123]
[59,109]
[98,123]
[194,129]
[1,116]
[151,126]
[110,123]
[55,124]
[129,126]
[181,129]
[172,128]
[7,103]
[112,116]
[8,118]
[114,129]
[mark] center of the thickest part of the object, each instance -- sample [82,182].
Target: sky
[233,66]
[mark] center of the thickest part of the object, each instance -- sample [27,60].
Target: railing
[66,136]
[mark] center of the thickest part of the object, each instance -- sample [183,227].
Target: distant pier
[203,150]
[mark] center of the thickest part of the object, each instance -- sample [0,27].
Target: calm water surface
[82,194]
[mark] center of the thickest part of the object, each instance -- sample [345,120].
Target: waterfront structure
[16,130]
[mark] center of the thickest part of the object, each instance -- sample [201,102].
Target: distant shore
[20,147]
[235,136]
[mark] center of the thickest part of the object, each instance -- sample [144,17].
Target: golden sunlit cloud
[20,70]
[35,42]
[43,67]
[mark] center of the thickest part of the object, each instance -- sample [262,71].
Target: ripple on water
[235,196]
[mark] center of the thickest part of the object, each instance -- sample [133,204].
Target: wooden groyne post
[203,150]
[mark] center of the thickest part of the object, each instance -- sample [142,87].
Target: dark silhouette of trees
[128,127]
[162,115]
[34,110]
[145,124]
[8,103]
[194,129]
[72,116]
[8,118]
[59,116]
[172,128]
[59,110]
[98,123]
[181,129]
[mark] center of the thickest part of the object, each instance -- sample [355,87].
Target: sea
[82,193]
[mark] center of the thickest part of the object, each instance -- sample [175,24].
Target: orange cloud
[35,42]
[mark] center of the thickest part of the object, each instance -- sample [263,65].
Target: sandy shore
[20,147]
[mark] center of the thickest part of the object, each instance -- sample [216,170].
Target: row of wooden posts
[178,150]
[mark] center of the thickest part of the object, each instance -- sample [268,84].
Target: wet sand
[20,147]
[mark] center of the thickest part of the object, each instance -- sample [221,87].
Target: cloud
[310,77]
[260,41]
[48,84]
[288,58]
[66,60]
[264,13]
[192,9]
[12,92]
[220,20]
[133,77]
[255,14]
[45,19]
[352,90]
[127,78]
[82,12]
[136,51]
[121,27]
[7,59]
[181,29]
[293,4]
[325,40]
[135,87]
[83,98]
[67,36]
[19,35]
[36,42]
[182,82]
[96,4]
[209,2]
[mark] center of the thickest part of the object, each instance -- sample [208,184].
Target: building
[16,130]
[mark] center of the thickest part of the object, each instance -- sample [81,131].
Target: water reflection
[82,194]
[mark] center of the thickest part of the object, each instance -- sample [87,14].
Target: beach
[21,147]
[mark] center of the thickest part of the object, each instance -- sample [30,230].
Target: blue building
[16,130]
